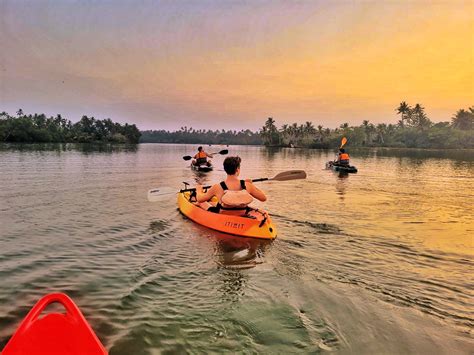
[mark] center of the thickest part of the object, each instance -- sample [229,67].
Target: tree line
[202,136]
[38,128]
[413,130]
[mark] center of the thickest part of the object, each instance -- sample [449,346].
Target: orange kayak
[256,225]
[54,333]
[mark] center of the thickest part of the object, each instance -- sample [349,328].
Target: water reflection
[461,166]
[201,177]
[86,148]
[238,252]
[419,154]
[272,152]
[234,255]
[269,153]
[341,185]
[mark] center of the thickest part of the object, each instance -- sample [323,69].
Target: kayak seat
[213,209]
[200,161]
[247,212]
[239,211]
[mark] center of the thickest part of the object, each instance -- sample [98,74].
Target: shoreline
[98,143]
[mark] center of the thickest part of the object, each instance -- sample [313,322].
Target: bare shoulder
[249,184]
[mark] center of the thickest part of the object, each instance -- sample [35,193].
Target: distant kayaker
[234,195]
[201,157]
[342,158]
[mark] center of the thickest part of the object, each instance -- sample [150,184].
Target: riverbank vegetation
[192,136]
[38,128]
[413,130]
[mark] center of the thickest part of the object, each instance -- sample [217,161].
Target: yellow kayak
[256,225]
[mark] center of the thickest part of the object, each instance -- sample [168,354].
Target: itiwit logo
[234,225]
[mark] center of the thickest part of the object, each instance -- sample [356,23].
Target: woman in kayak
[342,158]
[201,157]
[234,195]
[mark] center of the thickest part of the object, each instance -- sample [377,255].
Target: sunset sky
[231,64]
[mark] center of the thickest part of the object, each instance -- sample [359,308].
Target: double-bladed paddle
[155,195]
[222,152]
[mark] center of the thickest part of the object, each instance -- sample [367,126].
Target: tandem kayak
[341,168]
[256,225]
[54,333]
[202,167]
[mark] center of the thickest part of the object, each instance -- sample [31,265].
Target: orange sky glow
[232,64]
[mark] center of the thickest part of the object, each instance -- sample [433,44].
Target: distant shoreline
[354,148]
[414,130]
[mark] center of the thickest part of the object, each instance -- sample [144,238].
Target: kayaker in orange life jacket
[342,158]
[234,195]
[201,157]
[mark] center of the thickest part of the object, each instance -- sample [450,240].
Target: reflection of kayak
[54,333]
[344,169]
[202,167]
[341,168]
[257,225]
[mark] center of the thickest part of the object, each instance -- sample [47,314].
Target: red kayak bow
[54,333]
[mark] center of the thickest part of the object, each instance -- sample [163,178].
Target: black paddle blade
[290,175]
[187,157]
[224,152]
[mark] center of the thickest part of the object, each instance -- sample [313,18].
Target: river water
[375,262]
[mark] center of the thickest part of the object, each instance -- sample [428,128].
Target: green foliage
[414,117]
[38,128]
[269,133]
[414,130]
[464,120]
[190,135]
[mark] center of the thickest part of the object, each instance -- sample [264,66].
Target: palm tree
[381,129]
[366,125]
[270,133]
[463,119]
[309,128]
[284,134]
[307,132]
[404,110]
[370,132]
[391,128]
[418,118]
[293,133]
[320,133]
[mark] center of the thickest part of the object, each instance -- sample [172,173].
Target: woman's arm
[255,191]
[202,196]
